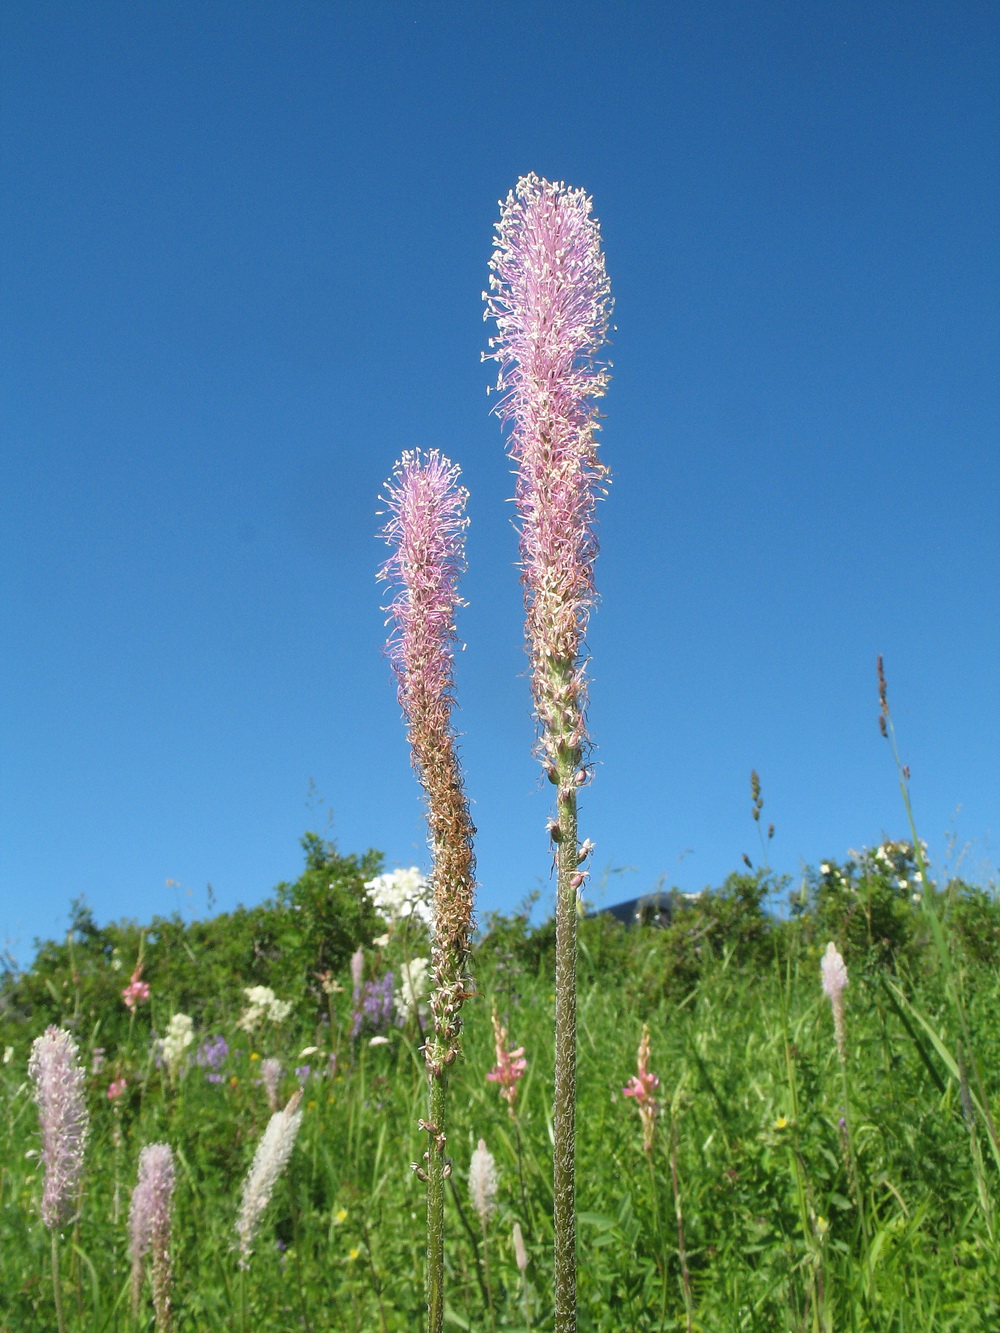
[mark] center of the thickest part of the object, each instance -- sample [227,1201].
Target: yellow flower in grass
[822,1227]
[340,1216]
[353,1253]
[781,1122]
[254,1055]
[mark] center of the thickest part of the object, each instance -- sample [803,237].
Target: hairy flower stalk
[269,1161]
[149,1228]
[550,297]
[426,535]
[55,1070]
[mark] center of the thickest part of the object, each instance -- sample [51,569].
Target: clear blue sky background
[243,246]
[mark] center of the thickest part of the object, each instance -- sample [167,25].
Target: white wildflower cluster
[262,1004]
[400,895]
[892,860]
[414,988]
[180,1035]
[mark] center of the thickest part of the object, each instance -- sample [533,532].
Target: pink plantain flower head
[834,974]
[510,1065]
[641,1086]
[137,990]
[426,533]
[149,1227]
[550,297]
[270,1076]
[55,1070]
[483,1182]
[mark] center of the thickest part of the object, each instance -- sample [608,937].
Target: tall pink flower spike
[551,299]
[426,533]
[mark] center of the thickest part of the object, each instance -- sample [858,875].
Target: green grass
[777,1233]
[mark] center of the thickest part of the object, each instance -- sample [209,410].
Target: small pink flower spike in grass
[426,535]
[551,300]
[149,1228]
[834,973]
[55,1070]
[641,1086]
[510,1065]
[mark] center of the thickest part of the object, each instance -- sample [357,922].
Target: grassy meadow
[785,1190]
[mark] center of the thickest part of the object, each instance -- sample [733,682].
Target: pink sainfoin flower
[137,990]
[833,971]
[55,1070]
[641,1086]
[149,1227]
[115,1089]
[550,297]
[426,533]
[510,1065]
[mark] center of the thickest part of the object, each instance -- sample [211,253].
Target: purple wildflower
[302,1073]
[149,1227]
[211,1054]
[55,1070]
[376,1008]
[426,531]
[550,297]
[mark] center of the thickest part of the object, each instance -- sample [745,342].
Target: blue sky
[243,246]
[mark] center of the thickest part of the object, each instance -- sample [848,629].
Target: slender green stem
[470,1232]
[489,1283]
[56,1283]
[564,1101]
[435,1202]
[678,1209]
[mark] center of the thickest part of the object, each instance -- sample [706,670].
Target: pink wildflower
[137,990]
[115,1089]
[641,1086]
[833,971]
[510,1065]
[55,1070]
[550,297]
[426,531]
[149,1227]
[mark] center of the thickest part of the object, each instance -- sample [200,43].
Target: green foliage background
[751,1128]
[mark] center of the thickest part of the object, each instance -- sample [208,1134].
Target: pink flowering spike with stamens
[55,1070]
[833,972]
[641,1086]
[426,531]
[149,1227]
[551,300]
[426,534]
